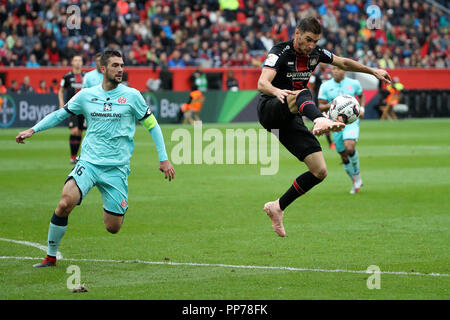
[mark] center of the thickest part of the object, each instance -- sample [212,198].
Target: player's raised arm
[352,65]
[73,106]
[48,122]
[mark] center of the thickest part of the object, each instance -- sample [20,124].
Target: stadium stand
[218,33]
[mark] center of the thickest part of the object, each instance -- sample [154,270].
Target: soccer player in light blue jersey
[110,110]
[94,77]
[346,139]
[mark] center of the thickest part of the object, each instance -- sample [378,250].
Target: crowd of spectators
[218,33]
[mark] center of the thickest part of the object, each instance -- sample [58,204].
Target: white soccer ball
[345,109]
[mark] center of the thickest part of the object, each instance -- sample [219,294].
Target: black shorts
[293,134]
[77,121]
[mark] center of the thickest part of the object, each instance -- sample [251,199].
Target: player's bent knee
[344,157]
[113,221]
[321,173]
[113,228]
[65,206]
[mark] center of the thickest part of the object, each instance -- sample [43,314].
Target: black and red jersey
[294,69]
[72,83]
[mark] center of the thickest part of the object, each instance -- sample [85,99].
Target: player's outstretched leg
[58,223]
[354,160]
[301,185]
[56,230]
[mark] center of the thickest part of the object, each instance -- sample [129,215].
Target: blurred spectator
[54,87]
[386,62]
[47,37]
[38,52]
[393,98]
[42,87]
[30,40]
[20,52]
[267,40]
[14,88]
[188,61]
[32,63]
[98,41]
[232,83]
[53,53]
[199,80]
[280,30]
[176,61]
[2,87]
[131,60]
[69,51]
[25,87]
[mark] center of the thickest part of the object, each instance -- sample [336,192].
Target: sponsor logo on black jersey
[299,75]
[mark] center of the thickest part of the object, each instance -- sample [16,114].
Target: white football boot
[357,183]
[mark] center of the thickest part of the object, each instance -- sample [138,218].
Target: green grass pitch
[212,215]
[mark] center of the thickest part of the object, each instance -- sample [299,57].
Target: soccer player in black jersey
[285,98]
[71,83]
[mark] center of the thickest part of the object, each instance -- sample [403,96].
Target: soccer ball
[345,109]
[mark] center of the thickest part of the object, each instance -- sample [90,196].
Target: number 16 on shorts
[79,169]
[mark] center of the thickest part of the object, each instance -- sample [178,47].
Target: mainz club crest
[122,100]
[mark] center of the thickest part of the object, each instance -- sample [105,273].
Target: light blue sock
[354,160]
[349,169]
[56,231]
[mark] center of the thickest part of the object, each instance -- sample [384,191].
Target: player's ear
[102,69]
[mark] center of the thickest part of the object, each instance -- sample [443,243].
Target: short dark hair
[76,55]
[108,54]
[310,24]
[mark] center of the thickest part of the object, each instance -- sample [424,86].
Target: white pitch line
[32,244]
[433,274]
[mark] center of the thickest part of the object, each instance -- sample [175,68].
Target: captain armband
[149,120]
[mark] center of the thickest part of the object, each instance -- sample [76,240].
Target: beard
[114,80]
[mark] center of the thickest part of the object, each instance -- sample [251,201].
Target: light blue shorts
[111,181]
[350,132]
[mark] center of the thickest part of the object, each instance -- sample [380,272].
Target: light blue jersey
[331,89]
[92,78]
[110,117]
[108,145]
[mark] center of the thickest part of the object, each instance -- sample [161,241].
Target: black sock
[74,142]
[300,186]
[306,106]
[56,220]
